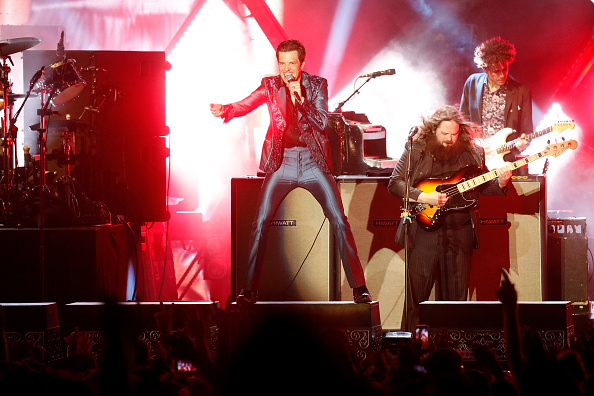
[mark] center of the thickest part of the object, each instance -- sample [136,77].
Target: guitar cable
[306,256]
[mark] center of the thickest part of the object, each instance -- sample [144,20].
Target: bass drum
[64,79]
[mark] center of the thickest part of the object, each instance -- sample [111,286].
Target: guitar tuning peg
[549,141]
[562,138]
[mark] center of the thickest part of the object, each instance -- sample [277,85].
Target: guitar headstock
[560,126]
[555,149]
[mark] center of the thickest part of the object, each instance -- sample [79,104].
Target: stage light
[340,32]
[219,59]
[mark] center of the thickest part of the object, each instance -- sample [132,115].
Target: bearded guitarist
[496,101]
[444,146]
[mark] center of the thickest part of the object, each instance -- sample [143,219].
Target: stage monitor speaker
[373,215]
[298,264]
[567,259]
[512,235]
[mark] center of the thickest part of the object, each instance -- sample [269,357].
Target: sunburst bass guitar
[497,145]
[429,217]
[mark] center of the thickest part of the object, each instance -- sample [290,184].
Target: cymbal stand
[7,139]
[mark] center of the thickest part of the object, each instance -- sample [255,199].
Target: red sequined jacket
[312,120]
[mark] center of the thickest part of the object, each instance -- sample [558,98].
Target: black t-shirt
[292,134]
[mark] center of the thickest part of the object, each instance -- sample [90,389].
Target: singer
[296,153]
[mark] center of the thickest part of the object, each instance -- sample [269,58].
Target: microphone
[413,131]
[388,72]
[291,78]
[37,75]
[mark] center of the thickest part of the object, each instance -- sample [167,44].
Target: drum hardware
[9,192]
[65,81]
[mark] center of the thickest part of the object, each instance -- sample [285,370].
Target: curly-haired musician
[496,101]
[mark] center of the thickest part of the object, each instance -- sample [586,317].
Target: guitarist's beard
[446,153]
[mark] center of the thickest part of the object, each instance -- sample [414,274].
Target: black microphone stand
[406,219]
[338,108]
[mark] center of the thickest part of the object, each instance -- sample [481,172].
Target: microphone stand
[338,109]
[406,220]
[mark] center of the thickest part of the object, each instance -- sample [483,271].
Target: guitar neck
[511,144]
[487,177]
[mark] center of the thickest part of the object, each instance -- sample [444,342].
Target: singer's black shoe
[247,297]
[361,295]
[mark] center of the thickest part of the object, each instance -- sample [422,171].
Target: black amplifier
[573,227]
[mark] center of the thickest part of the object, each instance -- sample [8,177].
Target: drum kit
[56,85]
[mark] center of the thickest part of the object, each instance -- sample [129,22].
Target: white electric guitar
[497,145]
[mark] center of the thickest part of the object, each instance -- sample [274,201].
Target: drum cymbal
[12,46]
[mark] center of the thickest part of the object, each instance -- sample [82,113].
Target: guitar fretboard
[561,126]
[553,149]
[511,144]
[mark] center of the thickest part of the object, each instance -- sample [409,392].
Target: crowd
[287,355]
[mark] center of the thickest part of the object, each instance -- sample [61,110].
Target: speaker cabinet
[297,264]
[373,215]
[79,264]
[512,235]
[568,268]
[119,144]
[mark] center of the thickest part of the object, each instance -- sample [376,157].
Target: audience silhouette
[288,354]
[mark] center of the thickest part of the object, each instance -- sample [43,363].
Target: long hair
[468,130]
[494,51]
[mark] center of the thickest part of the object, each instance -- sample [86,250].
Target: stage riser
[466,325]
[138,319]
[36,324]
[360,323]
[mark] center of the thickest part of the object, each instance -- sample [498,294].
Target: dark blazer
[518,104]
[312,119]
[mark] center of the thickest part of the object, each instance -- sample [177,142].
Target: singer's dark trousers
[444,254]
[299,169]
